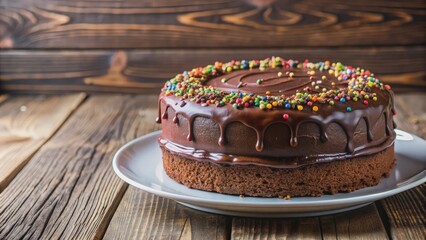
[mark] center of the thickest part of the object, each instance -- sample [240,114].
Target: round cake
[277,128]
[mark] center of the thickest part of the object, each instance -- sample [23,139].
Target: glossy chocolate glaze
[254,136]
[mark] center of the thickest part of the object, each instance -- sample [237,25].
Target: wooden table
[56,180]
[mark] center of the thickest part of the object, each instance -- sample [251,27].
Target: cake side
[311,180]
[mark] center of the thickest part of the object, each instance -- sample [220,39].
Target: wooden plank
[218,23]
[142,215]
[26,123]
[363,223]
[143,71]
[68,190]
[405,213]
[259,228]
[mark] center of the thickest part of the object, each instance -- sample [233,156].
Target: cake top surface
[275,83]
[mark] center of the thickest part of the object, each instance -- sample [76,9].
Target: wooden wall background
[134,46]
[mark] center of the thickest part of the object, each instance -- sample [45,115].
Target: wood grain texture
[68,190]
[259,228]
[26,123]
[405,213]
[142,215]
[142,71]
[363,223]
[217,23]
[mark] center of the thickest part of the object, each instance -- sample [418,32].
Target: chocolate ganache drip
[276,113]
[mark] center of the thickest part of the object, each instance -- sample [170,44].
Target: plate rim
[274,215]
[412,182]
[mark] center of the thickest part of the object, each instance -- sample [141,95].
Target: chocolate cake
[277,127]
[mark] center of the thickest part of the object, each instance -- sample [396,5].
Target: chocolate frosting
[227,135]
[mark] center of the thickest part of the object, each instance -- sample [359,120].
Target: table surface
[56,180]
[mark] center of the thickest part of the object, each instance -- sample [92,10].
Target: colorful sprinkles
[190,86]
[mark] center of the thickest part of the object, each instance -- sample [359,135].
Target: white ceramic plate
[139,163]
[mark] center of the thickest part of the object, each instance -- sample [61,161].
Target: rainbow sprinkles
[353,84]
